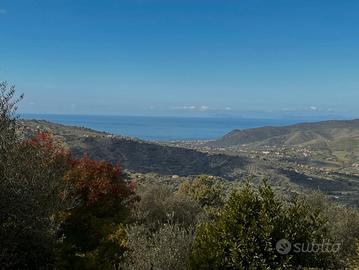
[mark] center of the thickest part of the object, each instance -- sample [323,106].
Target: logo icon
[283,246]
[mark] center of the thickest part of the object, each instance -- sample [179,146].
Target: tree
[8,116]
[249,227]
[93,234]
[33,192]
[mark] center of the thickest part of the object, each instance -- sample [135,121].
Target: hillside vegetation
[136,155]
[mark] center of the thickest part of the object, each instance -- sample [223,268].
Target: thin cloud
[184,107]
[201,108]
[2,11]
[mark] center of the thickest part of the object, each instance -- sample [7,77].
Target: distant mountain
[339,133]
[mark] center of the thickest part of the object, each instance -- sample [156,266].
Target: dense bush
[342,225]
[247,231]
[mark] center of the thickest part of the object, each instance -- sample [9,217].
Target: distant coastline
[165,128]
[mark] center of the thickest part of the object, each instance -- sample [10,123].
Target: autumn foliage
[96,181]
[43,141]
[93,181]
[91,234]
[45,152]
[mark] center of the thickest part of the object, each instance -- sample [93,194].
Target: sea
[158,128]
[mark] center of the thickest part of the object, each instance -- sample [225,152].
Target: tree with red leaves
[93,233]
[55,209]
[98,181]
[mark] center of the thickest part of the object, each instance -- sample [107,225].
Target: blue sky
[148,57]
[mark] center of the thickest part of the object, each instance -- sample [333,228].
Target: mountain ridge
[297,134]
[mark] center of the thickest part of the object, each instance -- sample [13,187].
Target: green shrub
[204,190]
[247,231]
[342,225]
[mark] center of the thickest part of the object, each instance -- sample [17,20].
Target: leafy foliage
[167,248]
[93,234]
[208,193]
[342,225]
[8,107]
[250,225]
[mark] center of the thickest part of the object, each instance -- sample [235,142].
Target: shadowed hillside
[136,155]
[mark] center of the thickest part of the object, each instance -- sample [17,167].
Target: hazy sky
[187,57]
